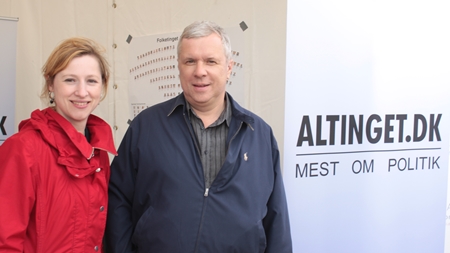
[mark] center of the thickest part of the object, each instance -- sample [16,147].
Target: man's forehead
[210,48]
[211,37]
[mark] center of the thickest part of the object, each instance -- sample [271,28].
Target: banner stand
[8,31]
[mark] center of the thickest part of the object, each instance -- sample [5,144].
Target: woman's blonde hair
[65,52]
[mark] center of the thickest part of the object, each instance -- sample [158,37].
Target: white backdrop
[367,125]
[45,23]
[8,42]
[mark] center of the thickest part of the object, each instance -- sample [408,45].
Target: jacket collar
[60,133]
[238,112]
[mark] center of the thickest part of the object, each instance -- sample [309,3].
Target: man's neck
[209,115]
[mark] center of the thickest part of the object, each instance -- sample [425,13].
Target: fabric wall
[44,23]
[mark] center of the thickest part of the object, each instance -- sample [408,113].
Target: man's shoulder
[157,112]
[164,107]
[249,117]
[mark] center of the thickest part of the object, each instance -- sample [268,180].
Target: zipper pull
[206,192]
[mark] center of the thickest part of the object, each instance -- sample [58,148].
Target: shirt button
[102,208]
[98,170]
[96,248]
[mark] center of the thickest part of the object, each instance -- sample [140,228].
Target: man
[198,173]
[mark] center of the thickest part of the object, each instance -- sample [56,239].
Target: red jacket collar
[54,127]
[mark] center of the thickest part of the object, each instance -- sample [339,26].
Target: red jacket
[53,185]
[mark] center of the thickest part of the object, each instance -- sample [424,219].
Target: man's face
[204,71]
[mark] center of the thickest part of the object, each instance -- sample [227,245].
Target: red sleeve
[17,191]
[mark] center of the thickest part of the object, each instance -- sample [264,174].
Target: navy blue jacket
[157,196]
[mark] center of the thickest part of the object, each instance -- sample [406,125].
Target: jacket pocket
[155,232]
[262,237]
[251,241]
[142,227]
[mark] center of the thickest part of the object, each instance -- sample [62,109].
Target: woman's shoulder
[25,139]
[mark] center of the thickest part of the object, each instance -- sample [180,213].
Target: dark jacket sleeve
[119,225]
[276,222]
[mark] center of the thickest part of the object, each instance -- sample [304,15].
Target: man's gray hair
[200,29]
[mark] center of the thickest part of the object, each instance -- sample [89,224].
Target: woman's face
[78,90]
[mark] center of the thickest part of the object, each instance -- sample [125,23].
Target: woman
[54,172]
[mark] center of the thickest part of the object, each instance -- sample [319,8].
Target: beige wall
[44,23]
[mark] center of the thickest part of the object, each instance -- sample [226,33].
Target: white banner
[8,34]
[367,125]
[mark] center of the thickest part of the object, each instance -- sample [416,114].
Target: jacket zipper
[205,203]
[206,194]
